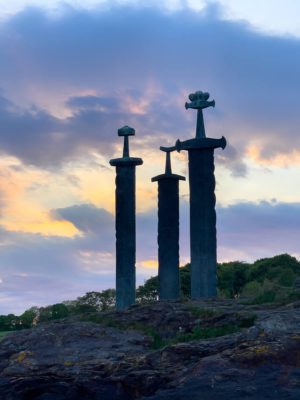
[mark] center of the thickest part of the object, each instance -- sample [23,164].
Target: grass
[204,313]
[293,296]
[197,333]
[4,333]
[267,297]
[200,333]
[277,297]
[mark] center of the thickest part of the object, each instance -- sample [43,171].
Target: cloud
[39,270]
[255,230]
[69,81]
[87,218]
[116,53]
[109,104]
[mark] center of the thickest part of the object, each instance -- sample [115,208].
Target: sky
[73,72]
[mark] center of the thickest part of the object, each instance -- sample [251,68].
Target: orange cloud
[149,264]
[45,227]
[22,201]
[279,160]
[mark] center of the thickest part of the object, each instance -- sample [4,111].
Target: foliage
[3,334]
[199,333]
[149,291]
[99,301]
[238,278]
[232,277]
[265,297]
[10,322]
[204,313]
[83,309]
[59,310]
[287,277]
[29,316]
[185,281]
[266,280]
[272,268]
[293,296]
[252,289]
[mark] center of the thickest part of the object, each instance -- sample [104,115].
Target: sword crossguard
[200,143]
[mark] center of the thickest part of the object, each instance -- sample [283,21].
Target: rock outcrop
[167,350]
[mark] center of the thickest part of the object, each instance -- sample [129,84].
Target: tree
[148,291]
[45,314]
[59,310]
[29,317]
[273,267]
[232,277]
[97,301]
[10,322]
[185,280]
[287,278]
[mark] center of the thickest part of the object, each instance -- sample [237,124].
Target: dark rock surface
[115,357]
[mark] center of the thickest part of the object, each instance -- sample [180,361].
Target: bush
[149,291]
[252,289]
[59,310]
[185,281]
[232,277]
[293,296]
[287,278]
[267,297]
[272,268]
[29,317]
[99,301]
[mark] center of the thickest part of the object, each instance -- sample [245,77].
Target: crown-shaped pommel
[199,100]
[126,131]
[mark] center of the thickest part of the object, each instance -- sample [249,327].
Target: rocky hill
[214,349]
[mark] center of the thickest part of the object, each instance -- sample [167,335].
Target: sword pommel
[168,149]
[199,100]
[126,131]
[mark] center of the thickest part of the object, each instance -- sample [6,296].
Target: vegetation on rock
[265,281]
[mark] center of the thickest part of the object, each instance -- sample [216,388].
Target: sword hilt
[199,100]
[168,150]
[126,131]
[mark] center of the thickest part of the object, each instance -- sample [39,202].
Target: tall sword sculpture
[202,201]
[168,231]
[125,222]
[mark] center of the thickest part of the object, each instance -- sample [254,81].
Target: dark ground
[116,358]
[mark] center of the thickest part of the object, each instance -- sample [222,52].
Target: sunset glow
[73,73]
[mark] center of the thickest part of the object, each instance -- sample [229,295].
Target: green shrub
[199,333]
[204,313]
[4,333]
[266,297]
[287,278]
[252,289]
[271,268]
[232,277]
[149,291]
[294,296]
